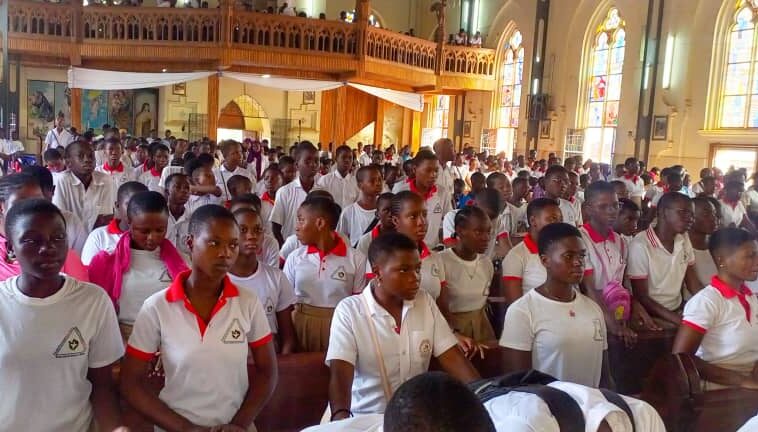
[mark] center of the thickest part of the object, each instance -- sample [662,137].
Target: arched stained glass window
[739,102]
[604,95]
[509,101]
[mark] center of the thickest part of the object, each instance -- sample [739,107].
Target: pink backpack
[616,297]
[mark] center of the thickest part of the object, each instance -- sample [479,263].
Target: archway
[243,117]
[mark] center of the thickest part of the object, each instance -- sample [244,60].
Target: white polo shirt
[269,251]
[406,351]
[267,206]
[102,238]
[343,189]
[167,171]
[432,271]
[75,231]
[146,275]
[362,423]
[272,289]
[732,214]
[571,211]
[664,271]
[118,175]
[197,201]
[223,175]
[53,139]
[204,362]
[468,282]
[704,266]
[354,220]
[364,159]
[291,244]
[607,253]
[288,200]
[634,185]
[448,228]
[728,320]
[365,241]
[322,279]
[178,231]
[97,199]
[151,179]
[445,180]
[438,204]
[566,340]
[48,347]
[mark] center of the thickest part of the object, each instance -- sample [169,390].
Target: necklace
[471,274]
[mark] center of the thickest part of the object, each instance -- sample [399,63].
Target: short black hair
[129,188]
[435,402]
[363,171]
[249,199]
[203,215]
[401,198]
[465,215]
[497,175]
[146,202]
[728,239]
[597,188]
[555,232]
[669,198]
[554,170]
[156,147]
[734,184]
[424,155]
[625,204]
[538,205]
[304,147]
[226,146]
[12,183]
[43,176]
[521,179]
[237,180]
[477,175]
[70,148]
[30,207]
[174,177]
[285,160]
[386,196]
[201,161]
[343,149]
[51,155]
[491,199]
[387,243]
[325,208]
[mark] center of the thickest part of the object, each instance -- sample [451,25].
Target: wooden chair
[630,366]
[675,390]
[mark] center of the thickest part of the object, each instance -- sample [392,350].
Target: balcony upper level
[230,38]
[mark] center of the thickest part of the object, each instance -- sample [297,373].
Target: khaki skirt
[312,326]
[474,324]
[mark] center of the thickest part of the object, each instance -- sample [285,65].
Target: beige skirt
[312,326]
[474,324]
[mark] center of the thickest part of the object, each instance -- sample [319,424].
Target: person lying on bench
[388,334]
[720,323]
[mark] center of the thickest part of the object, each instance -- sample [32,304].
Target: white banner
[409,100]
[281,83]
[94,79]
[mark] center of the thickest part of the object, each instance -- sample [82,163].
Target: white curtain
[409,100]
[280,83]
[94,79]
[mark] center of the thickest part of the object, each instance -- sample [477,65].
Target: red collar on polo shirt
[267,197]
[339,250]
[631,177]
[176,293]
[530,244]
[572,199]
[119,168]
[430,193]
[596,236]
[113,227]
[154,172]
[144,167]
[375,231]
[423,249]
[730,203]
[729,292]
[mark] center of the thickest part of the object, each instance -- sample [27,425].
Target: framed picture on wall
[660,128]
[309,98]
[179,89]
[466,129]
[546,129]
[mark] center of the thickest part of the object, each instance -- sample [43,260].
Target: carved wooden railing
[252,29]
[470,61]
[40,19]
[115,23]
[397,48]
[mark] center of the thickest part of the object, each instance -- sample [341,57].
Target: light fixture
[536,86]
[163,70]
[266,76]
[668,64]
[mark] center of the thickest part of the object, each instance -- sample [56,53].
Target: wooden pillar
[76,109]
[416,131]
[212,106]
[379,124]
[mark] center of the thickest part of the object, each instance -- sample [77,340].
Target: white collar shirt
[354,220]
[732,215]
[54,139]
[364,159]
[437,203]
[100,239]
[152,181]
[178,231]
[88,203]
[608,255]
[197,201]
[272,288]
[75,231]
[571,211]
[223,175]
[406,351]
[467,282]
[118,177]
[288,200]
[344,190]
[634,185]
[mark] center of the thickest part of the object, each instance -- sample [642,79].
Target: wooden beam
[76,109]
[213,83]
[379,124]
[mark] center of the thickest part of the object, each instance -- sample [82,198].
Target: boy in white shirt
[203,187]
[290,196]
[82,190]
[272,181]
[341,183]
[114,167]
[388,334]
[356,217]
[556,183]
[58,137]
[177,194]
[158,155]
[733,212]
[634,183]
[232,151]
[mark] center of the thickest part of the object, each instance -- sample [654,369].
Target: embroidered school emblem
[340,274]
[599,334]
[234,333]
[72,345]
[425,348]
[269,306]
[438,208]
[165,277]
[435,271]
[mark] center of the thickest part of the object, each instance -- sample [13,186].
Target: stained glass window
[739,103]
[604,94]
[510,93]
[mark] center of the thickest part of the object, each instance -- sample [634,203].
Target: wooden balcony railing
[35,23]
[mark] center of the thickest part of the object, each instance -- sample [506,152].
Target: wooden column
[76,109]
[212,106]
[379,124]
[416,132]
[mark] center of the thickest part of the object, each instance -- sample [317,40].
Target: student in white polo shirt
[104,238]
[388,334]
[177,194]
[720,322]
[232,151]
[707,221]
[83,191]
[522,267]
[290,196]
[113,165]
[357,216]
[268,283]
[205,328]
[158,154]
[58,137]
[635,186]
[272,181]
[437,202]
[203,189]
[469,274]
[556,183]
[554,328]
[341,183]
[268,250]
[60,335]
[661,259]
[382,222]
[733,212]
[323,271]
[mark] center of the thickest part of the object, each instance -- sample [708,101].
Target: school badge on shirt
[269,307]
[234,333]
[438,208]
[165,277]
[435,271]
[72,345]
[425,348]
[340,274]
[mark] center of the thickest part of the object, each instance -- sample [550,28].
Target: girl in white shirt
[720,322]
[381,224]
[469,275]
[554,328]
[707,221]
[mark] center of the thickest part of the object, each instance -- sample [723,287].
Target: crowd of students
[185,259]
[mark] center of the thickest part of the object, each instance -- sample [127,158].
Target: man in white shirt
[341,183]
[365,157]
[445,152]
[232,151]
[58,137]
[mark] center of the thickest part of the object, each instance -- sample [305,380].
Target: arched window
[604,95]
[509,100]
[739,103]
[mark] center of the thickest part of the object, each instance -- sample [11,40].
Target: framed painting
[546,129]
[41,107]
[63,101]
[94,110]
[467,129]
[120,111]
[309,98]
[660,128]
[179,89]
[145,112]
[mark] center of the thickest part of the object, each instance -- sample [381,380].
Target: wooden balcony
[229,38]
